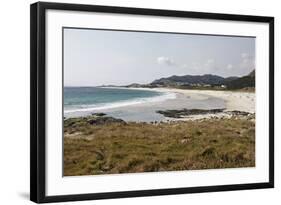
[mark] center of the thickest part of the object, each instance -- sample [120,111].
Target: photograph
[138,101]
[148,101]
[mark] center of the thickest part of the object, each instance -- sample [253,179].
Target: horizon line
[114,85]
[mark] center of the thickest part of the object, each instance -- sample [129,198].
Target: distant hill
[252,74]
[247,81]
[190,80]
[228,79]
[197,81]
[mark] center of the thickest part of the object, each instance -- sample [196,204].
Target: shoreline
[235,100]
[105,144]
[232,101]
[159,98]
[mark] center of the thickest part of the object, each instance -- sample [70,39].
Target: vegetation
[185,112]
[190,80]
[204,82]
[243,82]
[128,147]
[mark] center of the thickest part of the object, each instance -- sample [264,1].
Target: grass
[143,147]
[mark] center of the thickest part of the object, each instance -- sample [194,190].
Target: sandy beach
[240,101]
[234,101]
[184,99]
[111,142]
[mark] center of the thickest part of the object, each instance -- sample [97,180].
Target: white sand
[191,99]
[240,101]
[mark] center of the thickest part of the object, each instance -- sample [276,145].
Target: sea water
[131,104]
[85,99]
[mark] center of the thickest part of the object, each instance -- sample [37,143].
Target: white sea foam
[136,101]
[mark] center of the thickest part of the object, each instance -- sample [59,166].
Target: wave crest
[165,96]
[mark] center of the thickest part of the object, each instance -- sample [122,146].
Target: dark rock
[104,120]
[237,112]
[185,112]
[98,114]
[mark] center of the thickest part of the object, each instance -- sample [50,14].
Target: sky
[104,57]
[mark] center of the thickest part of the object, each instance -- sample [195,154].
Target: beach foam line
[165,96]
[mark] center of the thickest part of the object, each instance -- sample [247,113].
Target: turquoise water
[79,99]
[140,105]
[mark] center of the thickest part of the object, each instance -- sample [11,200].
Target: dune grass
[143,147]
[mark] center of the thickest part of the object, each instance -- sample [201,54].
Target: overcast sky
[98,57]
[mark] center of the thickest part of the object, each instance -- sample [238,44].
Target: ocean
[131,104]
[83,99]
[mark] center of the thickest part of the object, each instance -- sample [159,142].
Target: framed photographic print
[129,102]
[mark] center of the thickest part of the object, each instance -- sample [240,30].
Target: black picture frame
[38,103]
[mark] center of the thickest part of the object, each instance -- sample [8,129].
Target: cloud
[205,66]
[247,61]
[229,67]
[209,63]
[245,55]
[166,61]
[184,66]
